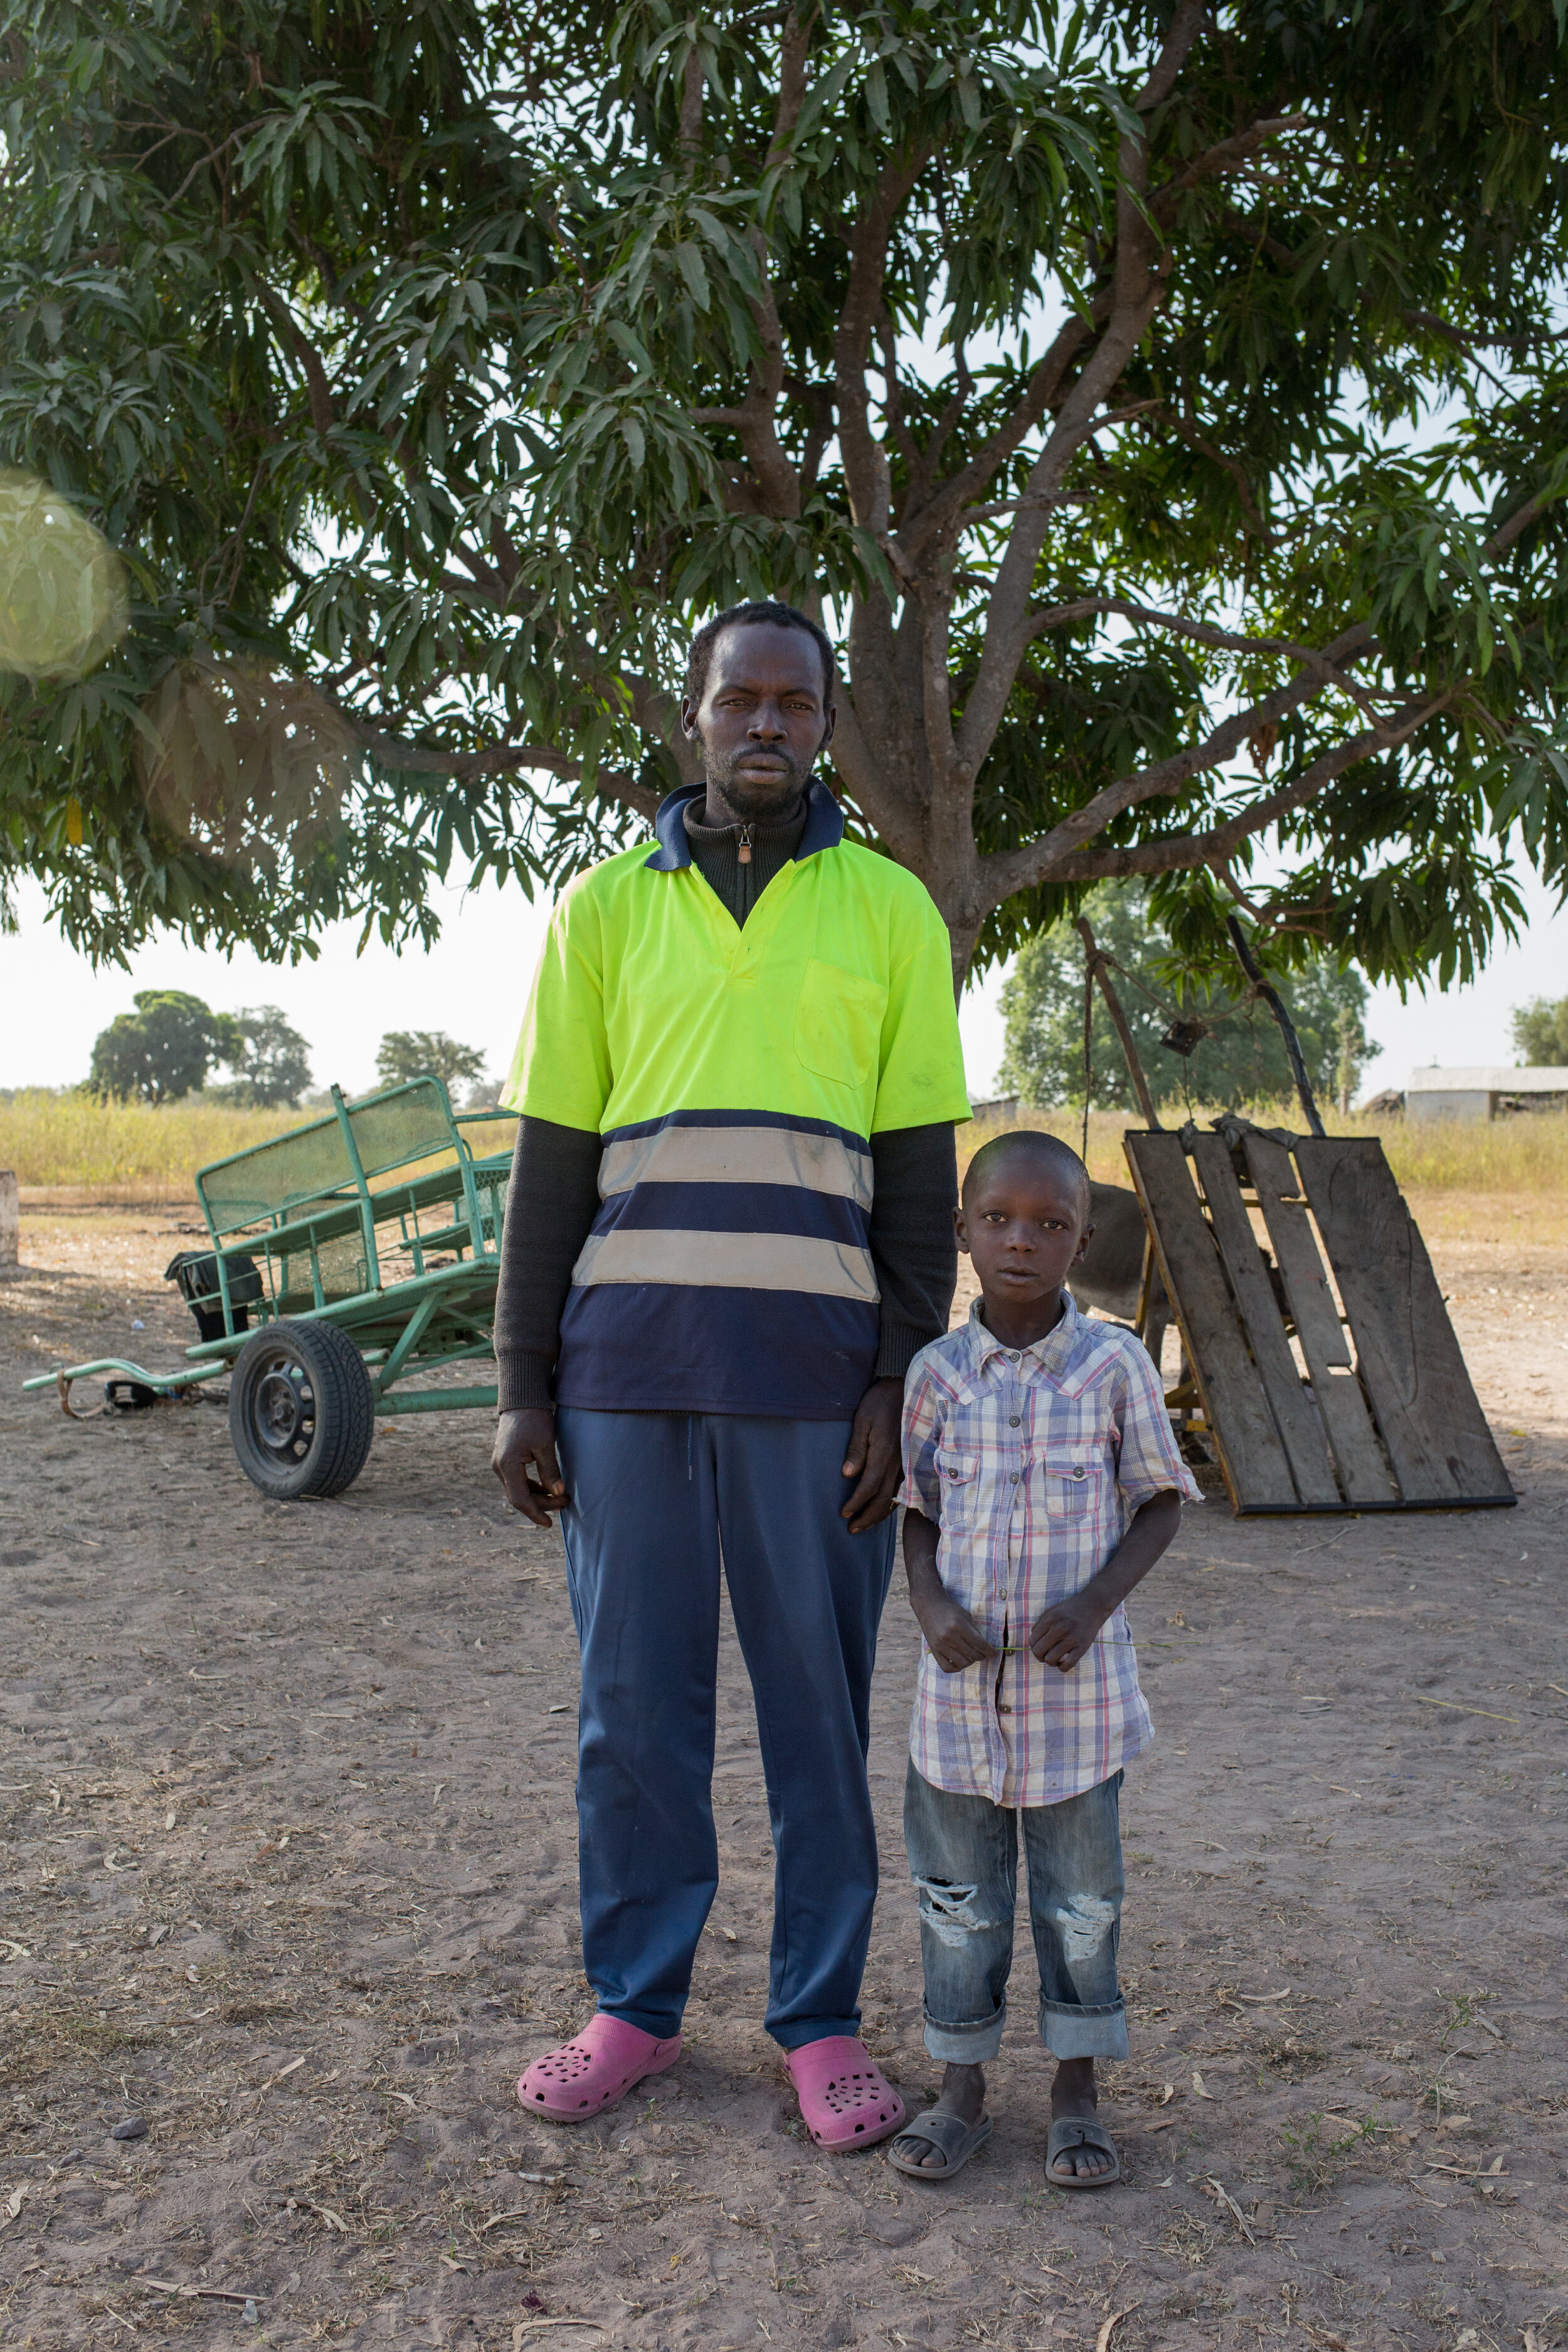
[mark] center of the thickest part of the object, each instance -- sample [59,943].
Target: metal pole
[1097,969]
[366,1212]
[1271,997]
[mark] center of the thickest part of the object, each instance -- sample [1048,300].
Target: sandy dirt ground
[289,1873]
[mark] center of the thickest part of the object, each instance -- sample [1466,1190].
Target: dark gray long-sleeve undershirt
[553,1196]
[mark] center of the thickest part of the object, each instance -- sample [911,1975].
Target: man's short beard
[757,802]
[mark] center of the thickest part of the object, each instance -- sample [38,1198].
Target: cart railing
[308,1221]
[380,1218]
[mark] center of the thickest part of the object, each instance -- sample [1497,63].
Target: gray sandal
[953,2140]
[1069,2132]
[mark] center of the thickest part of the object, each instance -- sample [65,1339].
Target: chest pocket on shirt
[1068,1480]
[960,1475]
[839,1023]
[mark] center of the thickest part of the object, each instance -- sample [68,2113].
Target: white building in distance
[1481,1094]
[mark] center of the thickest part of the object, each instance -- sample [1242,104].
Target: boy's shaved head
[1032,1143]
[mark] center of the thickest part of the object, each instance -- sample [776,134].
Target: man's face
[761,720]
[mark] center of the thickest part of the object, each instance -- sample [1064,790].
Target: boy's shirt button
[1079,1471]
[1014,1422]
[1004,1710]
[1012,1356]
[1014,1477]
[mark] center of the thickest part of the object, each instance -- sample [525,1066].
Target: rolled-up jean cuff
[968,2043]
[1072,2030]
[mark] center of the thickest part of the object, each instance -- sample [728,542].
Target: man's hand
[873,1456]
[1063,1633]
[525,1443]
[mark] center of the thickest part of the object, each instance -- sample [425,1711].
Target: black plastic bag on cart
[196,1276]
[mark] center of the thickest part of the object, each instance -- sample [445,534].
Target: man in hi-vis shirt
[728,1233]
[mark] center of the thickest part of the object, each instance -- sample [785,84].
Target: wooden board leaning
[1299,1424]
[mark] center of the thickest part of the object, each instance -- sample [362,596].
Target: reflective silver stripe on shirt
[738,1155]
[708,1261]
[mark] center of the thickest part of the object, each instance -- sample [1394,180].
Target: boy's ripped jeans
[963,1858]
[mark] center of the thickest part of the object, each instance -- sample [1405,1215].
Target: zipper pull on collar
[743,854]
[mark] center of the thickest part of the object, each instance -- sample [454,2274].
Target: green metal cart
[351,1259]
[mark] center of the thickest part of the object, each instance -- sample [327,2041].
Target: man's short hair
[700,658]
[1043,1145]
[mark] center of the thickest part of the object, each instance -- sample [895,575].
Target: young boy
[1042,1484]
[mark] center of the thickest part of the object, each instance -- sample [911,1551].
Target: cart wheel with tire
[300,1411]
[352,1258]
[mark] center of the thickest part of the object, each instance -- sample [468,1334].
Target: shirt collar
[1051,1354]
[824,827]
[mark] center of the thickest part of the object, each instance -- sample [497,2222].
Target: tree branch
[1026,867]
[1214,846]
[865,467]
[1141,277]
[1044,383]
[1239,225]
[501,759]
[692,89]
[317,384]
[1056,854]
[1186,431]
[1202,632]
[1183,30]
[1219,159]
[793,49]
[1046,379]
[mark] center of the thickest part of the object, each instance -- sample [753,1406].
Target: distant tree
[271,1060]
[421,1052]
[1540,1032]
[161,1051]
[1239,1059]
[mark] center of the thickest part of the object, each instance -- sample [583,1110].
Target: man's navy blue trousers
[661,1504]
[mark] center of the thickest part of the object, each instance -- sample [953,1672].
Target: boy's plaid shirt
[1032,1462]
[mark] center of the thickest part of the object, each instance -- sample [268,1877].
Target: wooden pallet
[1397,1426]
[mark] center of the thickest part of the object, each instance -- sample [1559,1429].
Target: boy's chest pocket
[958,1472]
[1068,1482]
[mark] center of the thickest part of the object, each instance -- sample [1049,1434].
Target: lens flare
[244,765]
[63,602]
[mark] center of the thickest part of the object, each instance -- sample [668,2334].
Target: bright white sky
[473,981]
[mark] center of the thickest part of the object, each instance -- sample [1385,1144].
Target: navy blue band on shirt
[666,1347]
[729,1269]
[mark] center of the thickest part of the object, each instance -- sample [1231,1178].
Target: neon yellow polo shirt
[736,1077]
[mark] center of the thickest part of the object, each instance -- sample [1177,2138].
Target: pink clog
[584,2077]
[844,2097]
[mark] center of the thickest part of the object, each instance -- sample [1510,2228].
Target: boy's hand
[952,1637]
[1063,1633]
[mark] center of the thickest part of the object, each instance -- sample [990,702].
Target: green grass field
[1524,1154]
[66,1146]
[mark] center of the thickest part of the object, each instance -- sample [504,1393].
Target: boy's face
[1023,1226]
